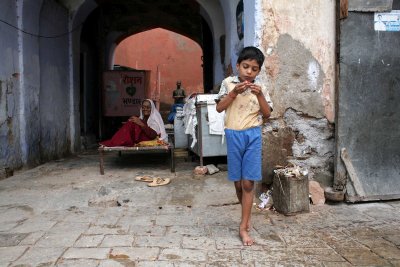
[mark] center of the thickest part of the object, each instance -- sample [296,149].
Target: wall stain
[297,79]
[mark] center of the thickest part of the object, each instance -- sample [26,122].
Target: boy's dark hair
[251,52]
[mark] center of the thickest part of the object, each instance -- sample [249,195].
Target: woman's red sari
[130,134]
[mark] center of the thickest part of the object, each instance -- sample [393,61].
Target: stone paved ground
[64,213]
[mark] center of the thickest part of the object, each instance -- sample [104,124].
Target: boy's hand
[255,89]
[241,87]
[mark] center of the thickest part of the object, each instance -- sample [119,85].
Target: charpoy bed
[168,148]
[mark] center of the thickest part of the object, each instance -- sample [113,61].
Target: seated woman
[144,128]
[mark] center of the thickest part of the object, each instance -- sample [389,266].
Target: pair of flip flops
[152,182]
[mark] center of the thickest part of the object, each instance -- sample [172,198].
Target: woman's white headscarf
[155,121]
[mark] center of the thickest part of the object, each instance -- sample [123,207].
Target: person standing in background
[179,99]
[179,94]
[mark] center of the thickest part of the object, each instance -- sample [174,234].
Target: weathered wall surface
[10,153]
[34,113]
[299,41]
[54,80]
[30,85]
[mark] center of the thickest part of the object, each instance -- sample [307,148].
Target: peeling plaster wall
[300,79]
[298,39]
[312,24]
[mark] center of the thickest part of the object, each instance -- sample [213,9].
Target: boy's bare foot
[246,239]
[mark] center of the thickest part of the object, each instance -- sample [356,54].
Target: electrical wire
[38,35]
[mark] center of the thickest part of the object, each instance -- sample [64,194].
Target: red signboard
[123,92]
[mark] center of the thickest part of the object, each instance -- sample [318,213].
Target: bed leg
[101,154]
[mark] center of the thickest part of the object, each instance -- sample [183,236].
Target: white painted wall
[214,15]
[233,44]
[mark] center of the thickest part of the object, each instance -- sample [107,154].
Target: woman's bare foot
[246,239]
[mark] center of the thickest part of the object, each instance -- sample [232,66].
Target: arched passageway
[113,21]
[169,57]
[55,52]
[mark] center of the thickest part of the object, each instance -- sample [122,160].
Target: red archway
[169,56]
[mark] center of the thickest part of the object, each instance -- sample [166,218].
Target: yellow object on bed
[155,142]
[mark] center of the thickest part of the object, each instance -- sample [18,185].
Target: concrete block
[290,195]
[212,169]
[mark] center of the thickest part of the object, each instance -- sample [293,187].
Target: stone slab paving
[60,214]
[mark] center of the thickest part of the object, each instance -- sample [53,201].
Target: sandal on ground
[159,181]
[146,179]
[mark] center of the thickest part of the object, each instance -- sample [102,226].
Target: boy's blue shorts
[244,154]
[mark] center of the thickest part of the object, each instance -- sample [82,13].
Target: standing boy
[244,100]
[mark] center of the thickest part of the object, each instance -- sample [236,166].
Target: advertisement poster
[123,92]
[388,21]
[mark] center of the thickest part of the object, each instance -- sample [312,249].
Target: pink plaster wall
[175,56]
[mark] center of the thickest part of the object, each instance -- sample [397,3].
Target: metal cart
[208,145]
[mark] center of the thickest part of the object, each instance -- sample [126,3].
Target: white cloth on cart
[215,119]
[190,119]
